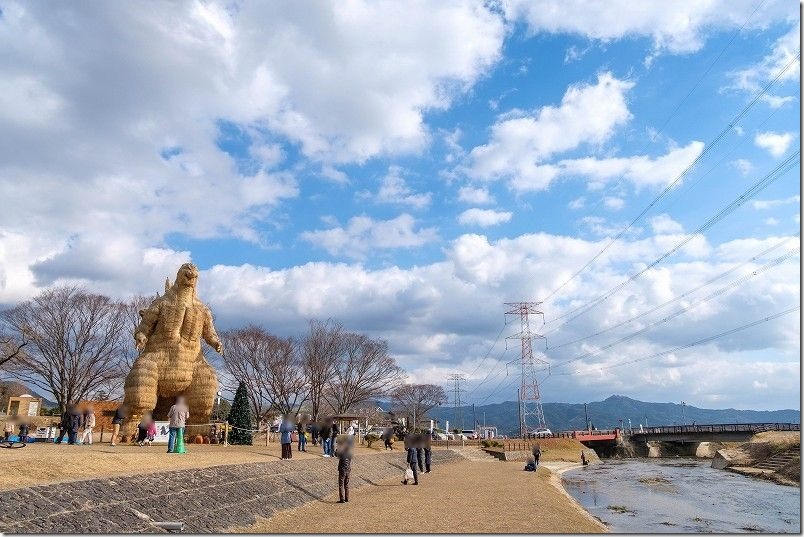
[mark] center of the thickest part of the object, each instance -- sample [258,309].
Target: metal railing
[717,428]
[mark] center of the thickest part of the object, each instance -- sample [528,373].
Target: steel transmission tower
[457,410]
[531,415]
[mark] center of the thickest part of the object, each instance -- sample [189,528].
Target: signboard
[162,430]
[33,408]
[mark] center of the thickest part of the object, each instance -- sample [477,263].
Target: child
[142,429]
[151,432]
[8,430]
[344,451]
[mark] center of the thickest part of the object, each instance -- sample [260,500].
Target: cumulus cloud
[677,27]
[664,224]
[484,217]
[769,204]
[774,143]
[613,203]
[363,233]
[475,196]
[751,79]
[394,189]
[743,166]
[520,141]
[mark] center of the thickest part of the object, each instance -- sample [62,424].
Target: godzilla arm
[209,334]
[150,316]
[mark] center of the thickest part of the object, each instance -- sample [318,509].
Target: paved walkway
[208,499]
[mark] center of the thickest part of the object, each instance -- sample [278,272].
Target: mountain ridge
[606,414]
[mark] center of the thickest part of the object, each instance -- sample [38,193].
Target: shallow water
[682,496]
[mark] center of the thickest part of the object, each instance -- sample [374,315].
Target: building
[24,405]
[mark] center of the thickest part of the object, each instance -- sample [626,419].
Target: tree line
[74,344]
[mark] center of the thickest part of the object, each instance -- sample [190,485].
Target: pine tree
[240,417]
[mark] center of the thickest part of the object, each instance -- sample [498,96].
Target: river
[682,496]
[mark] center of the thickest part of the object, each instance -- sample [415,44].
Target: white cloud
[394,189]
[335,175]
[475,196]
[484,217]
[640,170]
[520,141]
[753,78]
[577,203]
[613,203]
[771,221]
[663,224]
[743,166]
[768,204]
[362,234]
[675,27]
[773,142]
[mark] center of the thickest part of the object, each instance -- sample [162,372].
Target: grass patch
[619,509]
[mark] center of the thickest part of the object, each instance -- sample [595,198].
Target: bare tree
[319,352]
[77,342]
[10,348]
[287,382]
[416,400]
[245,362]
[363,371]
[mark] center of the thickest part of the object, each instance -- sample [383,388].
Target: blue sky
[408,170]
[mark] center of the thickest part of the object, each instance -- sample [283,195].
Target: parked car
[470,434]
[438,435]
[376,431]
[542,432]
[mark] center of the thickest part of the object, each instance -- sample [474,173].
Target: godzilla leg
[140,390]
[200,395]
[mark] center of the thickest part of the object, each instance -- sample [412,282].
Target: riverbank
[461,497]
[773,456]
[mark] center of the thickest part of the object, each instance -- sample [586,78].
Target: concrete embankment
[775,456]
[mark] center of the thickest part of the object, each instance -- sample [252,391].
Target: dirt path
[40,463]
[464,497]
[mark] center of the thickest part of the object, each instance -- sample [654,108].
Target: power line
[674,299]
[777,172]
[489,351]
[678,313]
[531,415]
[689,345]
[707,148]
[488,374]
[695,86]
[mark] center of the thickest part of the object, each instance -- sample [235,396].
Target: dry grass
[464,497]
[40,463]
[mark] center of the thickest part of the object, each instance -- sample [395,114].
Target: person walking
[64,423]
[314,432]
[410,451]
[428,447]
[388,438]
[89,423]
[8,429]
[73,424]
[325,435]
[344,452]
[178,415]
[119,417]
[420,450]
[302,432]
[537,453]
[286,429]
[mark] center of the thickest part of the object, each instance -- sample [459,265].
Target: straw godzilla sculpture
[171,362]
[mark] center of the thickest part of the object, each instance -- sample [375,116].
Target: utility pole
[683,419]
[586,413]
[474,418]
[457,409]
[530,400]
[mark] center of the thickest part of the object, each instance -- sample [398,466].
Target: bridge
[721,432]
[685,438]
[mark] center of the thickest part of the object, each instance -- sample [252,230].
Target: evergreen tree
[240,417]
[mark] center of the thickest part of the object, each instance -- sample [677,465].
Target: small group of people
[533,464]
[418,448]
[23,434]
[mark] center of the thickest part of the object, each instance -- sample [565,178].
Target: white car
[469,434]
[542,433]
[440,436]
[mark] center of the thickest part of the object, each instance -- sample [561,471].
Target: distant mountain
[12,388]
[606,414]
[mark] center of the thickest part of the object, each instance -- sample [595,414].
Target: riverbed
[682,496]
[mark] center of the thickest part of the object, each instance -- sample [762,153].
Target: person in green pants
[178,415]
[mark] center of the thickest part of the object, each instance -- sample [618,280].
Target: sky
[407,168]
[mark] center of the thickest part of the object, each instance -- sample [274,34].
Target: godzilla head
[187,276]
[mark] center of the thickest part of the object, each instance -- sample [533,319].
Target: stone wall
[205,499]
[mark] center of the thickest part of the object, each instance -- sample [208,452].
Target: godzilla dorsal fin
[167,284]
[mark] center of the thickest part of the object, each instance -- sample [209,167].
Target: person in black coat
[410,450]
[428,447]
[419,444]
